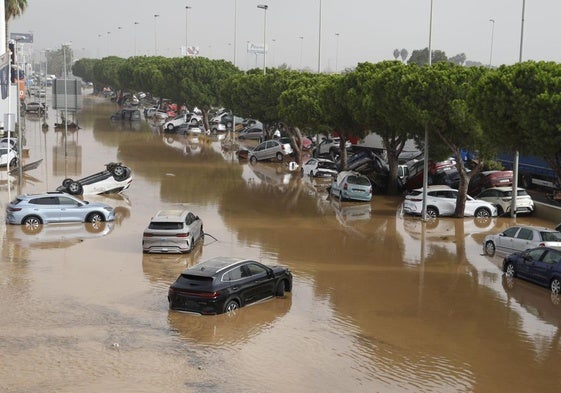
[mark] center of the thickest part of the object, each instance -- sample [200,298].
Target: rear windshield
[194,282]
[327,165]
[165,225]
[551,236]
[358,180]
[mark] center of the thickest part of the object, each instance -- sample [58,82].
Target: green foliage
[421,57]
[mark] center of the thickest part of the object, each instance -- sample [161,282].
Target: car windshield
[165,225]
[358,180]
[551,236]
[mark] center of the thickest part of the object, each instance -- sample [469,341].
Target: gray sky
[369,30]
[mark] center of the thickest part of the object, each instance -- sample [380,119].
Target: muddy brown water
[379,304]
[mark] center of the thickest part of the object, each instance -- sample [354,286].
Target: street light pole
[135,24]
[336,52]
[301,46]
[235,29]
[319,37]
[187,8]
[492,38]
[264,7]
[155,35]
[426,152]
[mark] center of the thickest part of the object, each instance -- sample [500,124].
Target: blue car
[541,265]
[353,186]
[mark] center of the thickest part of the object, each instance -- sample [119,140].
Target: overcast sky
[368,30]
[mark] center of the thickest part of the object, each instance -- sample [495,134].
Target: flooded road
[378,303]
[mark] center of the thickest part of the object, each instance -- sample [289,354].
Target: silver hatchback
[172,231]
[268,150]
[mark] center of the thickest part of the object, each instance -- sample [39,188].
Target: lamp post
[336,52]
[65,103]
[187,8]
[135,24]
[517,153]
[264,7]
[426,152]
[319,37]
[155,35]
[118,36]
[492,37]
[108,43]
[99,36]
[301,46]
[235,29]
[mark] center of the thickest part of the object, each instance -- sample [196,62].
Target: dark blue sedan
[540,265]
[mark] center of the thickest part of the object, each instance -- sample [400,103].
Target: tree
[519,107]
[377,96]
[396,53]
[438,95]
[404,53]
[55,59]
[458,59]
[421,57]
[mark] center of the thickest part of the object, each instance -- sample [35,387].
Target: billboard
[72,100]
[24,38]
[256,48]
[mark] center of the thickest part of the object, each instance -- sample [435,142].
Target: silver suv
[172,231]
[32,210]
[270,149]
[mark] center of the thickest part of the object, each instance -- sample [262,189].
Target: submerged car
[540,265]
[8,156]
[127,114]
[268,150]
[185,118]
[520,238]
[349,185]
[172,231]
[33,210]
[115,178]
[441,201]
[224,284]
[319,167]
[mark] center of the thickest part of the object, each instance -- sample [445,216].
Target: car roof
[170,215]
[503,188]
[432,187]
[532,227]
[44,194]
[214,265]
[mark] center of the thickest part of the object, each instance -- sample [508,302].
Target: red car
[488,179]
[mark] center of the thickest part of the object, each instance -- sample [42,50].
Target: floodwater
[378,303]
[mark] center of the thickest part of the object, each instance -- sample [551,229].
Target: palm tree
[13,8]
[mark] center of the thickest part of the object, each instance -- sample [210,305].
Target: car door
[524,239]
[504,241]
[446,202]
[47,208]
[259,151]
[261,285]
[527,266]
[543,268]
[71,210]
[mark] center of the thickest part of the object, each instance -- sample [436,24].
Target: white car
[319,167]
[179,120]
[8,156]
[520,238]
[501,197]
[441,201]
[172,231]
[115,178]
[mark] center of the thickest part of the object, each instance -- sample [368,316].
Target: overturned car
[114,179]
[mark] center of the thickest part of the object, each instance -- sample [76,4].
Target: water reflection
[230,329]
[56,235]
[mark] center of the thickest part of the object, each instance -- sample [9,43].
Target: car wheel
[170,127]
[191,244]
[13,162]
[253,160]
[490,248]
[280,289]
[231,306]
[341,196]
[94,218]
[228,125]
[66,182]
[119,171]
[482,212]
[510,270]
[75,188]
[555,286]
[432,212]
[31,224]
[280,156]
